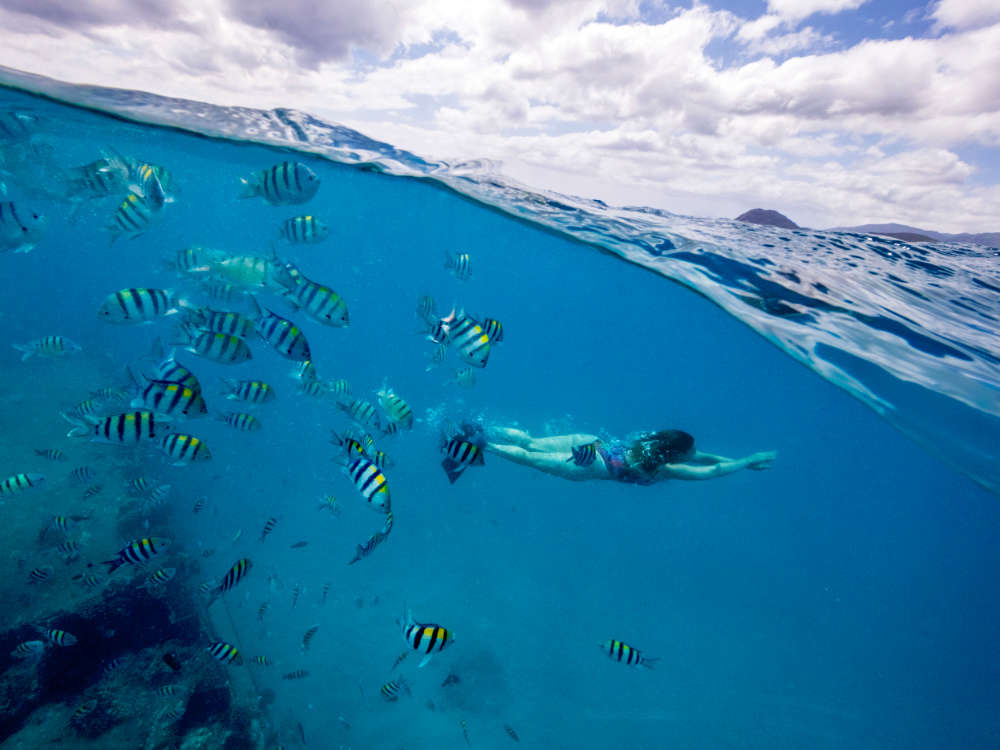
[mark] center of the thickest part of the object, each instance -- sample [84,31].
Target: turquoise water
[844,598]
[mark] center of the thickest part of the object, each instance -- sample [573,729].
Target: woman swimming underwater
[644,458]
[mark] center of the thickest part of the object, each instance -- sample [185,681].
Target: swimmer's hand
[762,460]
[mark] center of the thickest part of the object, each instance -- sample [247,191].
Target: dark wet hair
[652,450]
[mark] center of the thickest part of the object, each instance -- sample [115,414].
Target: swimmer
[645,458]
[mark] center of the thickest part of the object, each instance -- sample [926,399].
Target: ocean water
[844,598]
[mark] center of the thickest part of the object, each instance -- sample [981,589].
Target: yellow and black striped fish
[318,301]
[304,230]
[194,260]
[361,411]
[263,661]
[371,483]
[460,265]
[48,346]
[625,654]
[251,391]
[268,527]
[459,454]
[40,574]
[138,552]
[184,449]
[584,455]
[131,427]
[166,397]
[219,321]
[493,329]
[395,407]
[160,576]
[52,454]
[83,709]
[308,636]
[59,637]
[81,474]
[393,688]
[284,184]
[137,305]
[282,335]
[138,212]
[427,638]
[374,540]
[225,653]
[98,179]
[240,421]
[298,674]
[234,575]
[469,339]
[169,370]
[18,483]
[223,348]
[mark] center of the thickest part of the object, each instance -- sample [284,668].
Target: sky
[834,112]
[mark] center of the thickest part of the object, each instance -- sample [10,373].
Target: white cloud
[966,14]
[625,111]
[797,9]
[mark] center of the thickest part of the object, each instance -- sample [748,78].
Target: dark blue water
[844,598]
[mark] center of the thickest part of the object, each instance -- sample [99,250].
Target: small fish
[48,346]
[82,710]
[296,593]
[93,491]
[305,372]
[281,335]
[427,638]
[451,679]
[371,483]
[225,653]
[138,212]
[304,230]
[437,356]
[138,552]
[138,487]
[584,455]
[59,637]
[52,454]
[425,308]
[464,376]
[113,665]
[314,388]
[199,504]
[320,302]
[298,674]
[69,550]
[137,305]
[511,733]
[194,259]
[18,483]
[20,229]
[299,545]
[218,291]
[493,329]
[460,454]
[169,370]
[165,690]
[223,348]
[308,636]
[262,610]
[263,661]
[219,321]
[82,474]
[184,449]
[330,503]
[160,577]
[465,732]
[339,387]
[326,590]
[98,179]
[459,264]
[399,660]
[392,689]
[395,407]
[87,408]
[251,391]
[623,653]
[165,397]
[284,184]
[40,574]
[469,339]
[28,649]
[268,527]
[240,421]
[373,541]
[91,581]
[390,429]
[236,573]
[206,588]
[361,411]
[131,427]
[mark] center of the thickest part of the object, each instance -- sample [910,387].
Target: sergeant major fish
[20,229]
[223,348]
[138,552]
[426,638]
[625,654]
[287,183]
[459,264]
[282,335]
[303,230]
[48,346]
[137,305]
[184,449]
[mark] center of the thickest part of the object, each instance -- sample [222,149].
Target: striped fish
[234,575]
[223,348]
[251,391]
[393,688]
[493,329]
[138,487]
[83,710]
[284,184]
[219,321]
[426,638]
[314,388]
[93,491]
[137,305]
[138,212]
[361,411]
[27,649]
[18,483]
[268,527]
[252,272]
[425,309]
[138,552]
[304,230]
[465,377]
[396,408]
[623,653]
[460,454]
[68,550]
[371,483]
[459,264]
[59,637]
[584,455]
[469,339]
[131,427]
[351,445]
[184,449]
[374,540]
[219,291]
[240,421]
[308,636]
[97,179]
[437,356]
[199,504]
[20,229]
[52,454]
[169,370]
[318,301]
[304,372]
[298,674]
[282,335]
[40,574]
[225,653]
[263,661]
[379,458]
[48,346]
[390,429]
[166,397]
[194,260]
[91,581]
[340,387]
[82,474]
[87,407]
[160,577]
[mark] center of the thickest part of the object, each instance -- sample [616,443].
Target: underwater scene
[310,442]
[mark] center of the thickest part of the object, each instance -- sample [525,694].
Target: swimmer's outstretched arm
[708,466]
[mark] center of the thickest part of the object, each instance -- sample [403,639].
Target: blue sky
[832,111]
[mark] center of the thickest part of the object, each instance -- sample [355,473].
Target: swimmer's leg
[511,435]
[561,443]
[559,464]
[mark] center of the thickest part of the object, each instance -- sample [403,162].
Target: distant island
[771,218]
